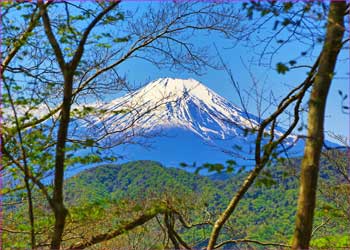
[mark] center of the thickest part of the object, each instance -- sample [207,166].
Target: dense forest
[97,195]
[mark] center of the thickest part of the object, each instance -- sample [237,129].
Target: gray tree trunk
[314,141]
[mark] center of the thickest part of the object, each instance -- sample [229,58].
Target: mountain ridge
[169,102]
[182,120]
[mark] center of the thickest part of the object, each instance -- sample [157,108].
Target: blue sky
[140,72]
[243,56]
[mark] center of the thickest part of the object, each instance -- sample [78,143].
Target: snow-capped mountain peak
[181,120]
[178,103]
[176,88]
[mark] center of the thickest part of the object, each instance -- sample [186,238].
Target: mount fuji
[176,120]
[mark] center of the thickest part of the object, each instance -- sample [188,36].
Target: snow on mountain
[181,103]
[196,124]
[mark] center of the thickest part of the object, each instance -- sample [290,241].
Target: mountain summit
[186,121]
[178,103]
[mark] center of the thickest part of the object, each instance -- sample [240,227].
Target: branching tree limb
[68,71]
[262,158]
[25,166]
[250,241]
[145,217]
[21,41]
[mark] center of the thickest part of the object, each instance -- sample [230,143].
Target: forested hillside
[265,215]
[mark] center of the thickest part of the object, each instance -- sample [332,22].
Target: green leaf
[104,45]
[231,162]
[89,142]
[229,169]
[121,39]
[286,22]
[307,7]
[287,6]
[282,68]
[78,17]
[265,12]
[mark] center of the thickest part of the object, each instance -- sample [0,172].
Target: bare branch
[34,19]
[251,241]
[145,217]
[268,149]
[79,52]
[53,41]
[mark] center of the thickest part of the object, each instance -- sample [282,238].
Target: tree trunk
[314,141]
[68,70]
[60,210]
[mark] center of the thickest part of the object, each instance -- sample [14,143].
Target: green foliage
[281,68]
[122,39]
[265,213]
[130,180]
[108,195]
[330,242]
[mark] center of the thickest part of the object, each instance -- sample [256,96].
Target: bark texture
[315,134]
[68,70]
